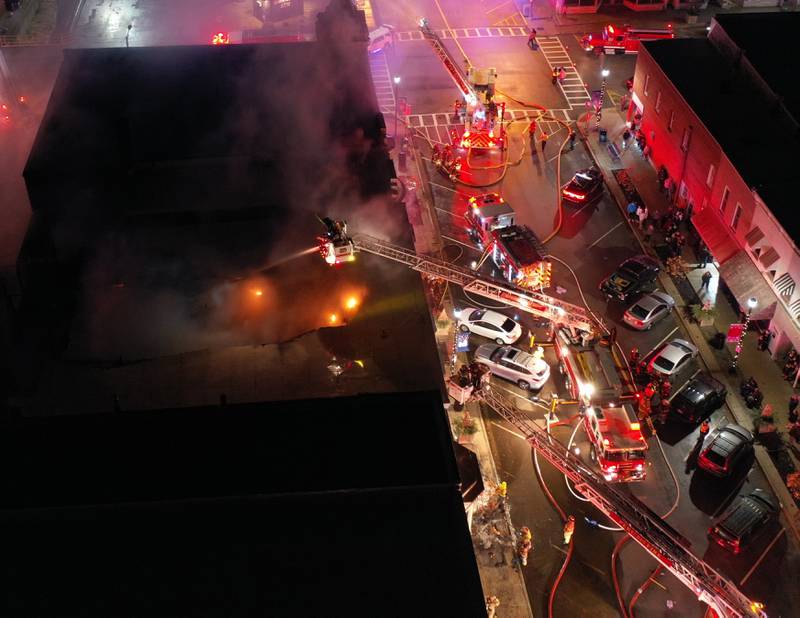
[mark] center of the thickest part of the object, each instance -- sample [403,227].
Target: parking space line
[604,235]
[658,345]
[762,556]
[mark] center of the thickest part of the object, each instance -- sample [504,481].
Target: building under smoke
[203,417]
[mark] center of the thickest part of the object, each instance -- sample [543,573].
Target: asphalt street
[589,245]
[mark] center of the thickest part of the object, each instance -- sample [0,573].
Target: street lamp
[751,304]
[396,81]
[605,73]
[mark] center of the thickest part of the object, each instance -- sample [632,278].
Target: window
[646,84]
[687,134]
[671,120]
[737,213]
[710,177]
[724,201]
[658,102]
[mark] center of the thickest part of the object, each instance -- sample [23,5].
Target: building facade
[723,170]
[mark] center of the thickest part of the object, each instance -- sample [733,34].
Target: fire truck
[514,249]
[604,390]
[644,526]
[624,40]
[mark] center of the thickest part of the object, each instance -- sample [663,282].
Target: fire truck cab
[598,382]
[624,40]
[487,213]
[618,446]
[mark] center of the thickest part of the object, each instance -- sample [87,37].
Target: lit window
[737,214]
[723,204]
[646,84]
[671,120]
[710,177]
[658,103]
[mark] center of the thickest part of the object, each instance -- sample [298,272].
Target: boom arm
[644,526]
[448,61]
[526,300]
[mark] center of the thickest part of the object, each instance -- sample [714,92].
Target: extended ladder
[645,527]
[448,61]
[529,301]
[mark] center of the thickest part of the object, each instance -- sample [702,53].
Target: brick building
[722,115]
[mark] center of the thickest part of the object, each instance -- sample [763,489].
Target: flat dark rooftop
[763,152]
[283,510]
[765,38]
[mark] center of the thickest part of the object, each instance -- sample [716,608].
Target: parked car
[726,447]
[585,187]
[631,277]
[743,521]
[698,399]
[648,310]
[380,38]
[505,361]
[490,324]
[673,357]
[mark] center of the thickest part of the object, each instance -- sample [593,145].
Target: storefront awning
[715,235]
[745,281]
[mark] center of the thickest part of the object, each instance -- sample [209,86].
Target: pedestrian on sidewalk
[626,135]
[544,139]
[648,233]
[706,280]
[631,209]
[642,214]
[764,339]
[572,137]
[569,529]
[794,400]
[703,257]
[492,603]
[562,75]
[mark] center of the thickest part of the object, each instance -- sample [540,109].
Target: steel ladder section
[646,528]
[448,61]
[526,300]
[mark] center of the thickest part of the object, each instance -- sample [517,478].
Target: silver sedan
[648,310]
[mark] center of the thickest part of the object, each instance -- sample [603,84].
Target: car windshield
[639,312]
[680,346]
[508,325]
[477,314]
[664,363]
[583,181]
[625,455]
[632,269]
[715,457]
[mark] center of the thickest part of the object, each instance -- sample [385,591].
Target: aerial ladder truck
[484,121]
[657,537]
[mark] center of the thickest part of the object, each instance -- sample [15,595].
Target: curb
[789,508]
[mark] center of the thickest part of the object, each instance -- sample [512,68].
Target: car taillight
[573,195]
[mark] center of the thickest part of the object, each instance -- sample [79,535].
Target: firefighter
[492,603]
[525,545]
[554,75]
[532,130]
[569,529]
[704,429]
[457,110]
[650,390]
[663,410]
[666,389]
[634,357]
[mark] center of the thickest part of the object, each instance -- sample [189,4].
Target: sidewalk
[493,536]
[644,181]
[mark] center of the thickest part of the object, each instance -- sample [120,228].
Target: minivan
[742,522]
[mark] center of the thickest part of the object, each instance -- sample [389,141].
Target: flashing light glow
[635,426]
[456,313]
[360,363]
[612,469]
[640,466]
[606,442]
[466,133]
[333,318]
[577,450]
[491,133]
[351,303]
[258,292]
[611,29]
[473,265]
[220,38]
[573,195]
[587,390]
[21,99]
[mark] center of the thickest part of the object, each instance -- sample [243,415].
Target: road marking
[467,33]
[672,332]
[437,185]
[604,235]
[506,429]
[761,557]
[494,8]
[556,55]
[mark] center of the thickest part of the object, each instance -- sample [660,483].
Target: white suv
[380,38]
[505,361]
